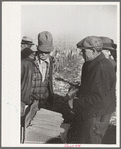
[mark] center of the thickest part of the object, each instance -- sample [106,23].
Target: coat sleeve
[50,83]
[22,70]
[51,76]
[98,94]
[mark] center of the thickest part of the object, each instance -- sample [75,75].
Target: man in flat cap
[96,96]
[109,50]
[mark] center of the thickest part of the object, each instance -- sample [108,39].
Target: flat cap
[90,42]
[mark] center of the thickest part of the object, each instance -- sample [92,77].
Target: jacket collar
[94,62]
[47,60]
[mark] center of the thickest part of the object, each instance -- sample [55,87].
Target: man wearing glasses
[36,74]
[96,99]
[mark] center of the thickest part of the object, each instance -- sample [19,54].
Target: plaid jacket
[39,89]
[27,72]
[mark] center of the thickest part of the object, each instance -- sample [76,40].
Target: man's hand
[34,97]
[70,103]
[72,92]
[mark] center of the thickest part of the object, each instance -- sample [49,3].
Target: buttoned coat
[96,100]
[97,90]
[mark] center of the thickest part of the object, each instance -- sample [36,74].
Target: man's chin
[85,59]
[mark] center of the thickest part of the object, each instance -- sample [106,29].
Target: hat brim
[45,48]
[108,48]
[27,43]
[80,47]
[84,47]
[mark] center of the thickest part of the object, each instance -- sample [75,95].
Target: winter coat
[27,71]
[26,52]
[97,90]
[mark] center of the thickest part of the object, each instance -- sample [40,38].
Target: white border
[11,27]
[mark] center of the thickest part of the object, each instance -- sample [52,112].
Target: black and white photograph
[60,74]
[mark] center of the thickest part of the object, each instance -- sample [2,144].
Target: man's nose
[43,54]
[80,53]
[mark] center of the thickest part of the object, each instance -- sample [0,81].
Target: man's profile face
[43,55]
[88,54]
[23,46]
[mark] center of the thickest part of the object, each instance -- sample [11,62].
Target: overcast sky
[73,21]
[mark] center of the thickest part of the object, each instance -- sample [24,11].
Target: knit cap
[45,41]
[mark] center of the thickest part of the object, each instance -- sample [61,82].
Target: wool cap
[27,40]
[90,42]
[108,44]
[45,41]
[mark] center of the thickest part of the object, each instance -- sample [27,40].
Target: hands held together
[72,95]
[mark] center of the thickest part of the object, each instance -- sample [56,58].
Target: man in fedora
[109,50]
[26,44]
[36,74]
[96,96]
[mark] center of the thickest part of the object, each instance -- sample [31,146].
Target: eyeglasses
[40,52]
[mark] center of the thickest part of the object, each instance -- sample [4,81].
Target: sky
[69,22]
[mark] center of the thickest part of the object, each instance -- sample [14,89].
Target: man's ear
[94,50]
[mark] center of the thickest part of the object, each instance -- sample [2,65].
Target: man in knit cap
[96,96]
[36,74]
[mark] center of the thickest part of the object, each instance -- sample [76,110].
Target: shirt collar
[47,60]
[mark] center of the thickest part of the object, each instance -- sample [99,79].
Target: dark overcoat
[96,97]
